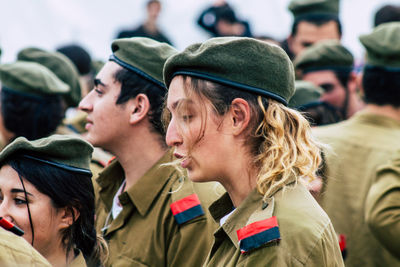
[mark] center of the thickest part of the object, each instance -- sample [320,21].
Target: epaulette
[342,245]
[261,228]
[185,203]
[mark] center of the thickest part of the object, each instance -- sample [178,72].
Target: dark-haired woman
[46,190]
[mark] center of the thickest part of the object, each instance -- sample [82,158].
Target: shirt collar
[148,187]
[252,209]
[376,119]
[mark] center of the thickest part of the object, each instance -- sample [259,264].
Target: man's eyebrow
[17,190]
[98,82]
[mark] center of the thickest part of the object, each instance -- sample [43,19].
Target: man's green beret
[60,65]
[144,56]
[304,8]
[383,46]
[306,92]
[244,63]
[324,55]
[62,151]
[31,78]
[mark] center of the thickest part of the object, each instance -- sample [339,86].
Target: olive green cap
[244,63]
[60,65]
[305,93]
[324,55]
[383,46]
[144,56]
[31,78]
[62,151]
[304,8]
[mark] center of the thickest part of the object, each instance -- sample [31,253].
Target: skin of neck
[355,104]
[386,110]
[239,180]
[138,152]
[58,257]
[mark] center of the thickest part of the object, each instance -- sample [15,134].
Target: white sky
[94,23]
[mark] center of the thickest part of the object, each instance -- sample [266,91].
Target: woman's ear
[67,217]
[239,115]
[139,107]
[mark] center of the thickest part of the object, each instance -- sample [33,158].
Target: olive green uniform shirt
[307,237]
[15,251]
[358,146]
[382,207]
[146,233]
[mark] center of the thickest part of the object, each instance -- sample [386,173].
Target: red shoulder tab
[186,208]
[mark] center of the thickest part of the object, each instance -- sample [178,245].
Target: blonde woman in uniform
[228,122]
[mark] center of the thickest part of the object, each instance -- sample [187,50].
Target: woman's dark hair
[32,117]
[70,190]
[132,84]
[381,86]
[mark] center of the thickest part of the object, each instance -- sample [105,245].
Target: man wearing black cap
[136,193]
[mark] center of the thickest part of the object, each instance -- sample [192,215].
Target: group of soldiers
[147,210]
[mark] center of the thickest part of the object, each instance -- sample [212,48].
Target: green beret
[306,92]
[31,78]
[66,152]
[304,8]
[244,63]
[383,46]
[144,56]
[324,55]
[60,65]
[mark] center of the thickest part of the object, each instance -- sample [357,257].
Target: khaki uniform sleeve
[382,208]
[15,251]
[190,244]
[327,251]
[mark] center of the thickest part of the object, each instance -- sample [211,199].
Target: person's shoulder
[303,224]
[15,251]
[190,201]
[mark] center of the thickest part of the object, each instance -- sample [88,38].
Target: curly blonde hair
[279,138]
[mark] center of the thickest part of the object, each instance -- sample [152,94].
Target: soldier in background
[306,99]
[329,64]
[149,28]
[220,20]
[358,184]
[313,21]
[31,101]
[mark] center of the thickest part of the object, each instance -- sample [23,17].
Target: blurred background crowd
[93,24]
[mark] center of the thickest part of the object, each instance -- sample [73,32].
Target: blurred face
[308,34]
[106,119]
[198,135]
[153,10]
[334,92]
[13,207]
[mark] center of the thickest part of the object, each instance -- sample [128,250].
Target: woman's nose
[173,138]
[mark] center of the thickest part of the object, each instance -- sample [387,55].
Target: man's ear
[239,115]
[352,83]
[360,87]
[139,107]
[67,217]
